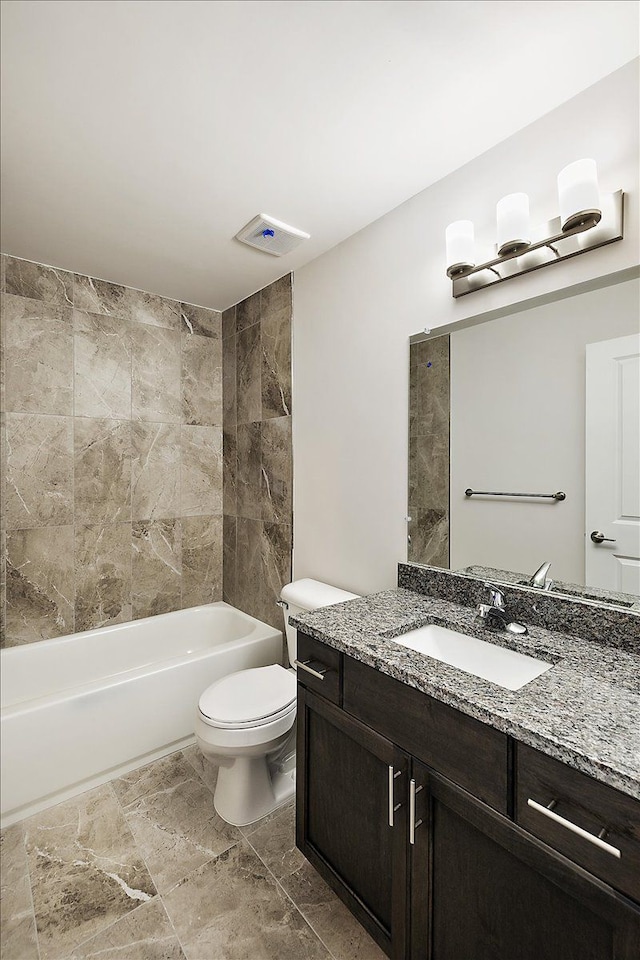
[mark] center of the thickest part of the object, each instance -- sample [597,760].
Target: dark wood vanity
[418,816]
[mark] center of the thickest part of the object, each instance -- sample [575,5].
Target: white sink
[478,657]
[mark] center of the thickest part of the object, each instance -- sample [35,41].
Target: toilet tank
[304,595]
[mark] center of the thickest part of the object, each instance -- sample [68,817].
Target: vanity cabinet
[351,822]
[408,809]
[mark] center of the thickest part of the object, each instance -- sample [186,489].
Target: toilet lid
[249,696]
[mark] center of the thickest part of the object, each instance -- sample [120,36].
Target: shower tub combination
[80,710]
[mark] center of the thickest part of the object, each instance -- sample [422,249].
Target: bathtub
[80,710]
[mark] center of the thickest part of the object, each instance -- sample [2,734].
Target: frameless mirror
[509,414]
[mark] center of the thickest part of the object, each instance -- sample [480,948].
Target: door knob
[598,537]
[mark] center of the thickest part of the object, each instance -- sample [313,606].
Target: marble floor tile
[247,897]
[18,928]
[275,843]
[38,356]
[144,934]
[206,770]
[171,813]
[285,809]
[232,909]
[85,870]
[329,918]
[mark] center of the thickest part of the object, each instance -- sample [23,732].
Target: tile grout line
[33,906]
[290,898]
[143,858]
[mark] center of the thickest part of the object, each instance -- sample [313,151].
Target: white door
[613,464]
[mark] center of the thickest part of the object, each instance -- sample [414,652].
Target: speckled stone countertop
[585,711]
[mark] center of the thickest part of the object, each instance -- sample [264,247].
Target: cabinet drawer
[323,660]
[601,811]
[462,749]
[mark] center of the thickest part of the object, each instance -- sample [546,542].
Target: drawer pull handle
[304,665]
[413,823]
[597,841]
[393,775]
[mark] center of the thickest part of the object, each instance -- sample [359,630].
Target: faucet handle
[497,596]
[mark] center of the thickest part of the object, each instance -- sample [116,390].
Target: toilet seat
[249,698]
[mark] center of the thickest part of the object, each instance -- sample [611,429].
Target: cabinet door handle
[393,775]
[413,823]
[304,665]
[591,837]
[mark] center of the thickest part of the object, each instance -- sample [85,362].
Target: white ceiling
[140,135]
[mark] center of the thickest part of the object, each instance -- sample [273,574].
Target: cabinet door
[352,816]
[485,889]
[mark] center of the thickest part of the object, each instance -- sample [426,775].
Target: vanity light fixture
[587,220]
[514,229]
[460,248]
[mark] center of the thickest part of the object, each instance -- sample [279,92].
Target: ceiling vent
[271,236]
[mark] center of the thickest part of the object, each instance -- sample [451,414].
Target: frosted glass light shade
[460,248]
[514,231]
[579,195]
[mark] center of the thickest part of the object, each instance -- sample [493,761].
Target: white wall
[356,306]
[518,423]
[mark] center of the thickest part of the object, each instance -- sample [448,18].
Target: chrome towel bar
[560,495]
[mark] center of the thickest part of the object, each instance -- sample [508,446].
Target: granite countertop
[585,711]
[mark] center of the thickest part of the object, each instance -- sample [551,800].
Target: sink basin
[482,659]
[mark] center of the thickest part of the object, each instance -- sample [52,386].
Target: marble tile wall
[111,443]
[429,415]
[257,454]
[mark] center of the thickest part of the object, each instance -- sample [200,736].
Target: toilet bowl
[245,722]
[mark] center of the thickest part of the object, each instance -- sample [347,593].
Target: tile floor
[142,868]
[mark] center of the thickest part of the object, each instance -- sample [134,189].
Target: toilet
[245,722]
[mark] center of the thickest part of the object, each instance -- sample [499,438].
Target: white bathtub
[79,710]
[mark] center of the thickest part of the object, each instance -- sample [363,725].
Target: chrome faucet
[496,611]
[540,579]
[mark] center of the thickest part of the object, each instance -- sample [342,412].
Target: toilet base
[250,788]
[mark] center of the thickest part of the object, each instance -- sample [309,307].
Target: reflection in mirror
[537,402]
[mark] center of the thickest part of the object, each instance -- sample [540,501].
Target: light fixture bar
[549,244]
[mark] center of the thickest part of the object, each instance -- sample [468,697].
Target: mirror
[518,407]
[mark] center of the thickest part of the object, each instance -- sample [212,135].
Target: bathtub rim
[7,704]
